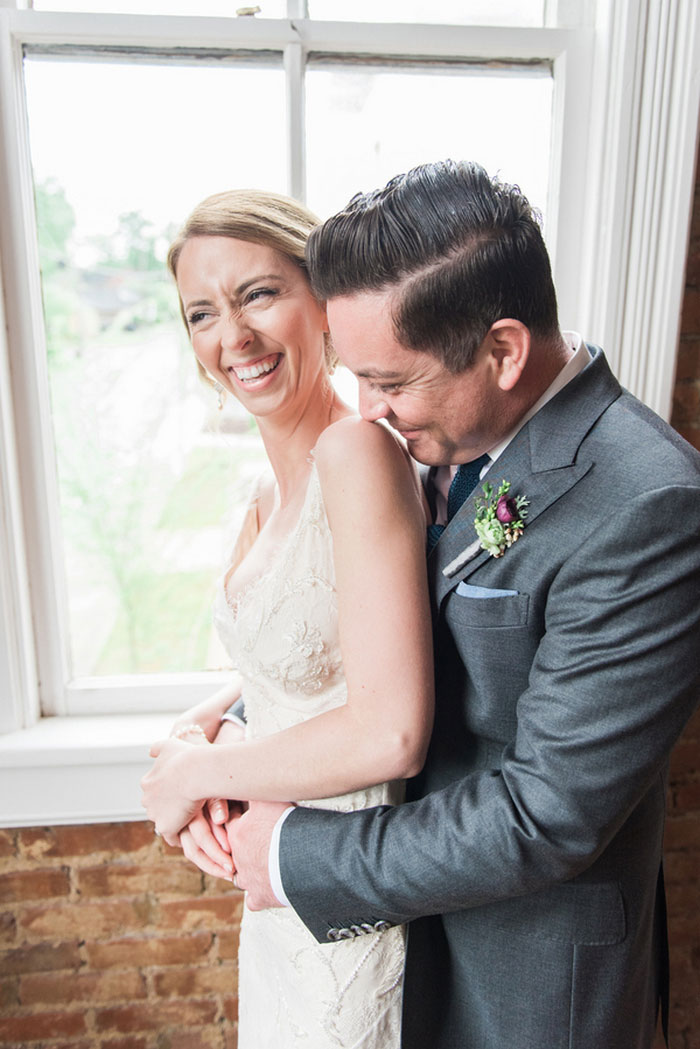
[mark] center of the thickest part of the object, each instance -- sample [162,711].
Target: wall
[110,939]
[683,827]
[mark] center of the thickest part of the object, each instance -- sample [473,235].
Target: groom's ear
[508,343]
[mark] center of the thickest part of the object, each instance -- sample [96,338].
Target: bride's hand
[207,714]
[206,845]
[166,797]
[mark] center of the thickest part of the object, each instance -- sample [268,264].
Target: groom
[528,859]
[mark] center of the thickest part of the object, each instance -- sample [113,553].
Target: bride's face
[254,324]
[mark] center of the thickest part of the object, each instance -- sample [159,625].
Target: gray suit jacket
[528,861]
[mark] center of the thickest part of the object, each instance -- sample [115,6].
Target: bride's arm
[207,714]
[382,732]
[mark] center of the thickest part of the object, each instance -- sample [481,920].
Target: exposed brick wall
[111,940]
[683,828]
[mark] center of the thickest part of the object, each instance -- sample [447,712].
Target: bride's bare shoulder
[353,439]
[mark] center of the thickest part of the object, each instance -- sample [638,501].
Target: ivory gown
[281,633]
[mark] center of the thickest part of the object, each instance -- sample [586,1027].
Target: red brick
[89,840]
[208,912]
[129,1042]
[87,920]
[691,434]
[9,992]
[685,758]
[201,1038]
[228,941]
[8,845]
[193,981]
[141,953]
[681,867]
[683,929]
[116,879]
[41,1025]
[686,403]
[150,1016]
[231,1009]
[40,957]
[690,316]
[34,884]
[97,987]
[34,842]
[8,927]
[692,266]
[682,832]
[687,797]
[688,359]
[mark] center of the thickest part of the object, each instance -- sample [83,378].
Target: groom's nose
[371,404]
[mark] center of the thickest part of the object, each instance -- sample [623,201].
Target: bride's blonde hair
[254,215]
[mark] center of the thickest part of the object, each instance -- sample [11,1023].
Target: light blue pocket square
[466,590]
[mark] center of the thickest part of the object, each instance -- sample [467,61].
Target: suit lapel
[542,462]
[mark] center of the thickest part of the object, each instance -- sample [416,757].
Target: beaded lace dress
[281,633]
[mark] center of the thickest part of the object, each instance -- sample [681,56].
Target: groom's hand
[250,836]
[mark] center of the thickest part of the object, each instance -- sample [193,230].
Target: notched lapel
[542,489]
[542,462]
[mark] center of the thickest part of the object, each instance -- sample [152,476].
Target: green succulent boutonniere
[500,518]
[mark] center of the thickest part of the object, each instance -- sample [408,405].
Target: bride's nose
[236,332]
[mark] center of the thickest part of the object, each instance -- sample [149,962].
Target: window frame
[617,229]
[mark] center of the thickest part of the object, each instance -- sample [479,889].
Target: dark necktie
[463,482]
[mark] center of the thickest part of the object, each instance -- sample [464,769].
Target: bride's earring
[218,388]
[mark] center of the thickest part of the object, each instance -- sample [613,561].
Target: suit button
[366,927]
[333,934]
[345,934]
[357,930]
[381,926]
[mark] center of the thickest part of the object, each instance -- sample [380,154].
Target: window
[116,468]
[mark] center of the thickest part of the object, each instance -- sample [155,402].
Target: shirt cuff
[273,860]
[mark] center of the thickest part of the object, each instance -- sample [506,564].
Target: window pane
[364,126]
[121,153]
[449,12]
[217,8]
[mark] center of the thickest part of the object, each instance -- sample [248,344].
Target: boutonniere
[499,521]
[500,518]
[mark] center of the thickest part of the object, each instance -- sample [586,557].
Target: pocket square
[466,590]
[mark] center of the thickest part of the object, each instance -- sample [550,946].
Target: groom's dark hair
[462,249]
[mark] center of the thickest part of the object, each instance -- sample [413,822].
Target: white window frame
[626,94]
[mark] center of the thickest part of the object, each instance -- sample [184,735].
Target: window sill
[77,769]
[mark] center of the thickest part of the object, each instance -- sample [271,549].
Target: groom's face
[444,418]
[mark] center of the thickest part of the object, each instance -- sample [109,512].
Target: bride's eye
[195,317]
[261,295]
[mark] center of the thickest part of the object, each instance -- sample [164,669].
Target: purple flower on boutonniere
[506,509]
[500,518]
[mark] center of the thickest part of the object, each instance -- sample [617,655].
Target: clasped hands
[211,832]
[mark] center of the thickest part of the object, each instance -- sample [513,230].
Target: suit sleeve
[615,678]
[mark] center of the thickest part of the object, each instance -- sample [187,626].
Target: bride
[323,609]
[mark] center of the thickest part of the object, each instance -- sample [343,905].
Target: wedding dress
[281,633]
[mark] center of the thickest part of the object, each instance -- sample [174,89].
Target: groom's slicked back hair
[463,250]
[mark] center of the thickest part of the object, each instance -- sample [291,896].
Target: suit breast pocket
[488,608]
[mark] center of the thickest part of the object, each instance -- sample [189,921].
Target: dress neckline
[234,602]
